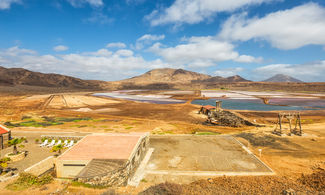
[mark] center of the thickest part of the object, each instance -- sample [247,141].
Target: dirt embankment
[307,184]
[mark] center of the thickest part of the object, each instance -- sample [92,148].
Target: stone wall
[227,118]
[60,137]
[16,157]
[121,175]
[42,166]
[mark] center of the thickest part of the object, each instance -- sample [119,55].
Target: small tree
[57,148]
[14,142]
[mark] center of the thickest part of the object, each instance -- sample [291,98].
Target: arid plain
[288,156]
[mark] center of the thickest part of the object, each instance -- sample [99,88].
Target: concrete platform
[200,156]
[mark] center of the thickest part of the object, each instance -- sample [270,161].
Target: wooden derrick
[290,117]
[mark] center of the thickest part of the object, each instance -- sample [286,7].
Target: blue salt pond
[248,104]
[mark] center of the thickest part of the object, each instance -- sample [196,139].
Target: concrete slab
[201,156]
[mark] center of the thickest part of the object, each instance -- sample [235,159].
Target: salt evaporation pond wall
[312,102]
[247,104]
[156,99]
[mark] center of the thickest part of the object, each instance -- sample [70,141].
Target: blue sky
[116,39]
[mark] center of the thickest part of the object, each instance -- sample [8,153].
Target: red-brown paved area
[103,146]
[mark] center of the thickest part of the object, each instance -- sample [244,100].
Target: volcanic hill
[23,77]
[283,78]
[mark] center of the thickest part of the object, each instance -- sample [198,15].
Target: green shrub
[4,162]
[78,184]
[27,180]
[25,117]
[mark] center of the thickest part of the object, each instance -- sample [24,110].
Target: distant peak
[282,78]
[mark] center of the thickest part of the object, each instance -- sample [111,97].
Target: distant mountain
[168,78]
[20,76]
[283,78]
[167,75]
[219,79]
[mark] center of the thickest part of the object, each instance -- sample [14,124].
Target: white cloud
[287,29]
[60,48]
[195,11]
[147,39]
[16,51]
[124,53]
[248,59]
[6,4]
[116,45]
[100,52]
[151,37]
[228,72]
[313,71]
[99,17]
[80,3]
[200,52]
[101,64]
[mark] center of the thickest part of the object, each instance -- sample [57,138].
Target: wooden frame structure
[295,117]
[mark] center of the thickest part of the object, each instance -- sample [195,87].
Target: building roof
[103,146]
[3,130]
[209,107]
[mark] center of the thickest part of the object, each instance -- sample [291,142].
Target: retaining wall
[42,166]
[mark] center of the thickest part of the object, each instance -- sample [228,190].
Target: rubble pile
[226,118]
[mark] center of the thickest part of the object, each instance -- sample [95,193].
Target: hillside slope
[283,78]
[167,75]
[20,76]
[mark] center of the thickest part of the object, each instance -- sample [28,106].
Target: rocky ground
[289,157]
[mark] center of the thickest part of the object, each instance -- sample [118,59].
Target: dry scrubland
[289,157]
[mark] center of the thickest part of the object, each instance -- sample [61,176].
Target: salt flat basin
[313,103]
[249,104]
[256,94]
[157,99]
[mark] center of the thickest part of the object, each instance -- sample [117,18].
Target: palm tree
[15,142]
[58,148]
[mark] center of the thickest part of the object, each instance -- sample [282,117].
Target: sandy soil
[288,156]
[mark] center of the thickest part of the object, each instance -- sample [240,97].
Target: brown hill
[219,79]
[167,75]
[283,78]
[20,76]
[168,78]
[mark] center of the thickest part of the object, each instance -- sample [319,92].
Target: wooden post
[218,106]
[300,130]
[290,125]
[1,142]
[280,123]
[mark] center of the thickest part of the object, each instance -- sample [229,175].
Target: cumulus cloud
[287,29]
[99,17]
[116,45]
[80,3]
[201,52]
[60,48]
[228,72]
[101,64]
[147,39]
[195,11]
[6,4]
[313,71]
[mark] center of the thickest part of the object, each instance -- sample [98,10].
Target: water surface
[248,104]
